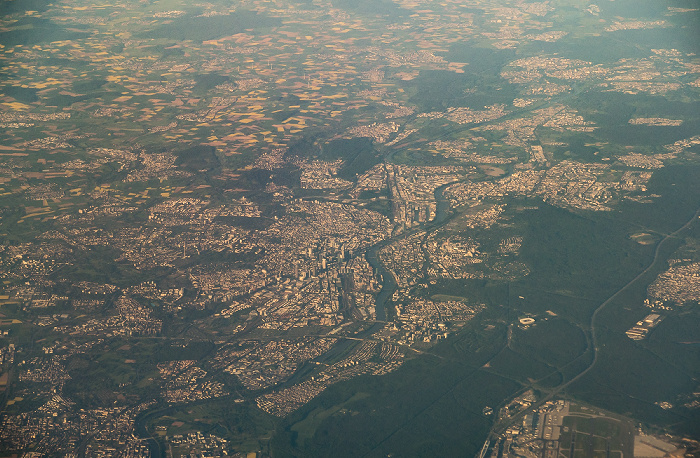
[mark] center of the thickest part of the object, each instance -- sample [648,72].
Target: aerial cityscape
[362,228]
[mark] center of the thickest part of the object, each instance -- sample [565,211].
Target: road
[500,427]
[594,336]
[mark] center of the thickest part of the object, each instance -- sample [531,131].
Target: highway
[498,428]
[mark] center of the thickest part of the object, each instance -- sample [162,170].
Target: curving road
[594,337]
[498,428]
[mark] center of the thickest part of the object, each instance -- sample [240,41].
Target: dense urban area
[270,228]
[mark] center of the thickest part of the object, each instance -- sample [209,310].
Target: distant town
[332,228]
